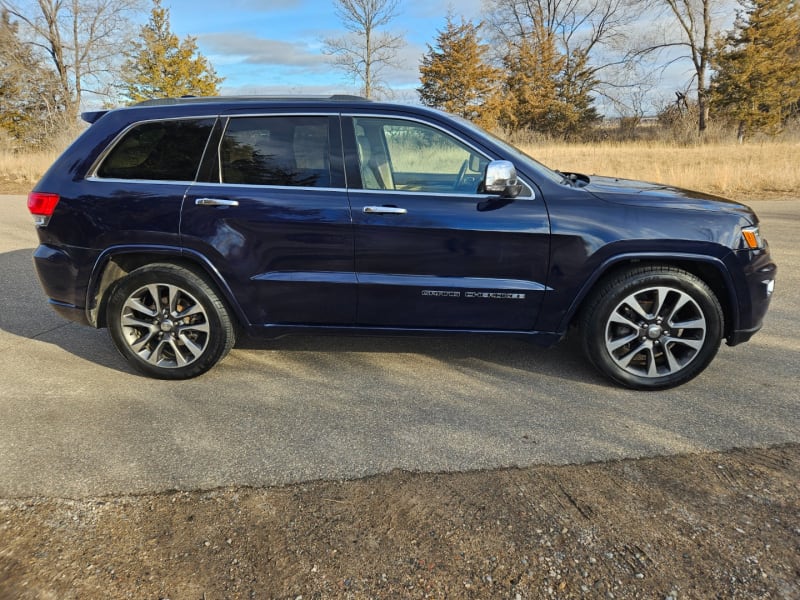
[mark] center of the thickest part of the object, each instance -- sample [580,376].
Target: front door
[431,251]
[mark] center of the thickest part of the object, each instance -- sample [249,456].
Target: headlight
[752,238]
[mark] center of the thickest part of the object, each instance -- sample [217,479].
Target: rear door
[431,250]
[274,219]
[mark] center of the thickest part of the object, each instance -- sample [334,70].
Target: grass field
[748,171]
[739,171]
[18,172]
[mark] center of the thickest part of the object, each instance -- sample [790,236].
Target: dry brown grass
[19,172]
[748,170]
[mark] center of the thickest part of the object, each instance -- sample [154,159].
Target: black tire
[168,322]
[652,328]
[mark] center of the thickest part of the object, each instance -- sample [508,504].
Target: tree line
[529,65]
[540,65]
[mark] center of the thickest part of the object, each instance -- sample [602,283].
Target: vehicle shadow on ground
[24,312]
[564,361]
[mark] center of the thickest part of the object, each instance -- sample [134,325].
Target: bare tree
[633,83]
[81,38]
[366,50]
[694,18]
[28,115]
[589,33]
[694,41]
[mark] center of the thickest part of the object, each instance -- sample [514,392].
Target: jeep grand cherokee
[182,223]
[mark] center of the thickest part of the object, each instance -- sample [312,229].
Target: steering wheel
[460,177]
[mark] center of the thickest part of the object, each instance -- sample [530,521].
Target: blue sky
[275,47]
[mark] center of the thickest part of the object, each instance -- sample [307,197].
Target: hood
[641,193]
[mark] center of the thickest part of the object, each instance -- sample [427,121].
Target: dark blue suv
[182,223]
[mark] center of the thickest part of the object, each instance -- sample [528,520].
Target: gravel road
[76,422]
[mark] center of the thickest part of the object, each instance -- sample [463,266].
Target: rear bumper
[63,274]
[69,312]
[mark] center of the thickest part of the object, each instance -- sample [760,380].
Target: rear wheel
[652,328]
[168,322]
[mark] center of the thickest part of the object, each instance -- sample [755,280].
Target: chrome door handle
[215,202]
[384,210]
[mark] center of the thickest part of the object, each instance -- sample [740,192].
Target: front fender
[711,269]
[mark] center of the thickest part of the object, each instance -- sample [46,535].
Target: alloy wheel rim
[165,325]
[655,332]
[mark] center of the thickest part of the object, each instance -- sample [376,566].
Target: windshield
[533,166]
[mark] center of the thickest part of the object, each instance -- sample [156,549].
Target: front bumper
[753,293]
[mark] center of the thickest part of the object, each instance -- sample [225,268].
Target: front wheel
[652,328]
[168,322]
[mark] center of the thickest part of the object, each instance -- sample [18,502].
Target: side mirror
[501,179]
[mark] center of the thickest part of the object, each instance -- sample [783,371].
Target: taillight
[41,205]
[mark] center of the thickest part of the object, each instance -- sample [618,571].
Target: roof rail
[212,99]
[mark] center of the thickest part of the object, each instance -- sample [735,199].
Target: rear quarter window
[158,150]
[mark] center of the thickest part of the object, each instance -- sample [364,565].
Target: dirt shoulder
[700,526]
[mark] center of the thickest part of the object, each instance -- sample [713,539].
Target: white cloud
[285,90]
[408,72]
[250,49]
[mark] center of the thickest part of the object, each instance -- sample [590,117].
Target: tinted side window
[160,150]
[281,150]
[414,157]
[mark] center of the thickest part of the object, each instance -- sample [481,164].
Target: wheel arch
[116,262]
[709,269]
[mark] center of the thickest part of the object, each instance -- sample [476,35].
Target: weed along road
[76,421]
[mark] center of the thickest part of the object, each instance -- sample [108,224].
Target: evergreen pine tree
[160,65]
[546,90]
[456,76]
[531,86]
[574,85]
[757,83]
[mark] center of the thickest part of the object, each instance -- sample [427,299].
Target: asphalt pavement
[76,421]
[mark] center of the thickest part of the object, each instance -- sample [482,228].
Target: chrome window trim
[217,183]
[271,187]
[92,172]
[96,179]
[474,196]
